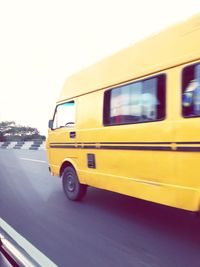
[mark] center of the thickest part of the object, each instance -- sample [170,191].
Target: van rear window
[137,102]
[191,91]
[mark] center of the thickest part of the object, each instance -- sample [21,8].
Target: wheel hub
[70,183]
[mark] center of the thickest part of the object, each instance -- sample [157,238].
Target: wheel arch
[64,165]
[68,163]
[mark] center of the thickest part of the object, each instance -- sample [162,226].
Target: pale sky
[42,42]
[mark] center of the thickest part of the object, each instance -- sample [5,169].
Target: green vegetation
[10,131]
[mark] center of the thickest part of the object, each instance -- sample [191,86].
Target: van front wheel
[71,186]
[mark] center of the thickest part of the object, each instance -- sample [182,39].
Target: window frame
[106,111]
[55,111]
[181,96]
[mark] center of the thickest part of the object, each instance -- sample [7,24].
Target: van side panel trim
[131,146]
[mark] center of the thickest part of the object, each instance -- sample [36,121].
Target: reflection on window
[136,102]
[65,115]
[191,91]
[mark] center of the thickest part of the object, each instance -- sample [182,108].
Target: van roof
[174,46]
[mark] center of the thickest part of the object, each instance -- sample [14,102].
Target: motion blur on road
[105,229]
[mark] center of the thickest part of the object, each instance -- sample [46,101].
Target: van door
[62,137]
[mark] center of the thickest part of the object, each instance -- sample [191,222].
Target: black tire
[71,186]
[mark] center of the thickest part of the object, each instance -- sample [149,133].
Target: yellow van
[131,123]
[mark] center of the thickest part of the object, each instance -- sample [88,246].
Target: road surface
[104,230]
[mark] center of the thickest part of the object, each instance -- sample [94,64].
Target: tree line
[10,131]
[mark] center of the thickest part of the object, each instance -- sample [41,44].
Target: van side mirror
[50,124]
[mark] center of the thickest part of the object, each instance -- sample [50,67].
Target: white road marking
[35,160]
[37,255]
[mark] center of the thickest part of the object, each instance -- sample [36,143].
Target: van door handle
[72,134]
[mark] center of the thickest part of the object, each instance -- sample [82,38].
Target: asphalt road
[104,230]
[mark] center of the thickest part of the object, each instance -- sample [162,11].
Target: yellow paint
[167,177]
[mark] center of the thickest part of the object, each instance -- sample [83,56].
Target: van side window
[64,115]
[137,102]
[191,91]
